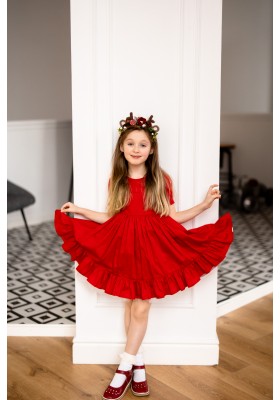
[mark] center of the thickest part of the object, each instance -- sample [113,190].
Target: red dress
[138,254]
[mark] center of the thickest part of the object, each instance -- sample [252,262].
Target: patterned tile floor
[249,261]
[41,286]
[41,275]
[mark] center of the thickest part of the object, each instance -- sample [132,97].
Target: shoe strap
[126,373]
[138,366]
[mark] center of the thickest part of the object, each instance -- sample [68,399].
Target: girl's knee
[140,308]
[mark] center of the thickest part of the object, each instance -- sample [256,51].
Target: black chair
[18,198]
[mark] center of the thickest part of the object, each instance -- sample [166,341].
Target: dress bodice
[136,203]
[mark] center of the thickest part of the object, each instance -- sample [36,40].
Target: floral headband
[131,121]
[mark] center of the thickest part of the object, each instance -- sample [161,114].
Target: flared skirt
[143,256]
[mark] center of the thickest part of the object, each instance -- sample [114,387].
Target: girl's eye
[143,145]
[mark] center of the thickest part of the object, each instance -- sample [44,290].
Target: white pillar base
[206,353]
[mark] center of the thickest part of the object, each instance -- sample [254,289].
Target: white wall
[38,63]
[246,57]
[168,66]
[39,72]
[39,67]
[39,104]
[246,89]
[39,159]
[252,136]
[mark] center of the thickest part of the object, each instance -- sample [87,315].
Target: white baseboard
[41,330]
[244,298]
[69,330]
[204,353]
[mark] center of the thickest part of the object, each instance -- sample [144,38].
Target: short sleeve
[169,190]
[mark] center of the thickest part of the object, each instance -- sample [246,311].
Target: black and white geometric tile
[41,287]
[249,261]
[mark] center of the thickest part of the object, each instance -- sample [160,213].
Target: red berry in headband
[141,122]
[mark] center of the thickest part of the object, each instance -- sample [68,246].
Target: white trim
[41,329]
[244,298]
[39,125]
[195,352]
[247,117]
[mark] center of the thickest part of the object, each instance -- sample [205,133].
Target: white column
[157,57]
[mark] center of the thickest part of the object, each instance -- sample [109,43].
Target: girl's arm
[186,215]
[95,216]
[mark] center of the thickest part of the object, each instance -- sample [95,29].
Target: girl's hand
[212,194]
[69,207]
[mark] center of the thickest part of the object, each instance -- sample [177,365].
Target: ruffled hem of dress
[103,278]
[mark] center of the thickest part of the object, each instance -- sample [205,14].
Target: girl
[138,249]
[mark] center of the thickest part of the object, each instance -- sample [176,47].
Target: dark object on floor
[248,195]
[18,198]
[252,194]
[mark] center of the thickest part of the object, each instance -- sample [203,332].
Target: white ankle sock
[139,375]
[125,365]
[128,358]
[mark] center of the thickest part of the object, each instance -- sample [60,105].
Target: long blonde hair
[158,182]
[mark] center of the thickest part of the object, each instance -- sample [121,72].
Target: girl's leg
[136,319]
[127,314]
[137,325]
[138,312]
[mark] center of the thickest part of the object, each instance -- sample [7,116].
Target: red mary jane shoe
[139,388]
[112,393]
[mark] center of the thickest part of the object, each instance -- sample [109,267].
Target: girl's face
[136,147]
